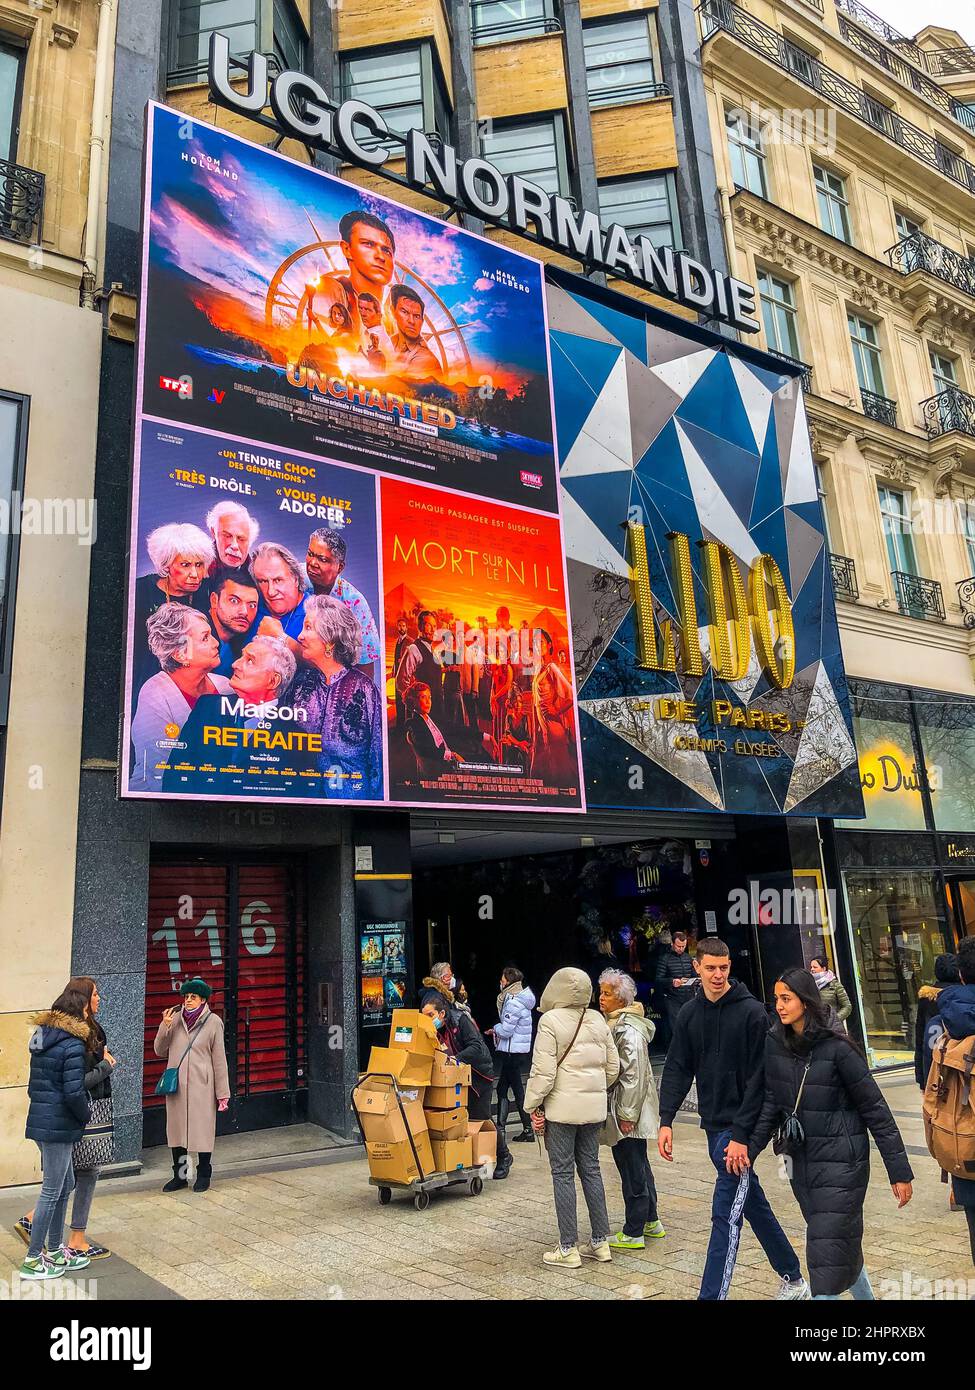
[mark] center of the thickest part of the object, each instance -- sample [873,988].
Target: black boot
[177,1181]
[204,1172]
[527,1135]
[505,1157]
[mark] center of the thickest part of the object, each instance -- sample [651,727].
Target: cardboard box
[380,1115]
[407,1068]
[413,1031]
[394,1162]
[484,1141]
[446,1124]
[453,1153]
[445,1098]
[447,1072]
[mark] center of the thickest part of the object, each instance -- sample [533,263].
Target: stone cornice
[866,620]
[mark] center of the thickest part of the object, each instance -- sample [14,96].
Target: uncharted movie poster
[255,652]
[284,304]
[480,693]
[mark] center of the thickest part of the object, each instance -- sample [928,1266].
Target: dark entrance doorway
[241,924]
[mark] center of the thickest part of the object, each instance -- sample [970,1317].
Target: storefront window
[898,929]
[890,773]
[948,739]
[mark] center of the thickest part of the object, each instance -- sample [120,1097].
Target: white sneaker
[790,1291]
[596,1250]
[565,1259]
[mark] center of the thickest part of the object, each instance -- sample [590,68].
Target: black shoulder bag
[790,1136]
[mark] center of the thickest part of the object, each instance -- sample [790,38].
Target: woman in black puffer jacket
[840,1103]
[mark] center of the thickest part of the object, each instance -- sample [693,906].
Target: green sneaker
[40,1268]
[654,1230]
[624,1242]
[67,1259]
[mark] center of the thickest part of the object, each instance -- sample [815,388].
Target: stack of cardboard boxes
[415,1089]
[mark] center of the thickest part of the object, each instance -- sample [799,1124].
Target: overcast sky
[908,16]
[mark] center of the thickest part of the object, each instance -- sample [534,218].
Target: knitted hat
[196,986]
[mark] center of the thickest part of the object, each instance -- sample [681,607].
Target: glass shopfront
[907,868]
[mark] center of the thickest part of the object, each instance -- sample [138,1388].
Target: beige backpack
[949,1106]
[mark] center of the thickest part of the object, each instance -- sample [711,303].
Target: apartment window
[906,226]
[747,155]
[834,208]
[969,524]
[13,453]
[802,61]
[11,83]
[821,491]
[492,20]
[878,114]
[270,26]
[944,372]
[643,206]
[779,315]
[895,515]
[402,84]
[535,149]
[867,355]
[619,60]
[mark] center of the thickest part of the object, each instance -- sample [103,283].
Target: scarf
[826,978]
[509,993]
[190,1017]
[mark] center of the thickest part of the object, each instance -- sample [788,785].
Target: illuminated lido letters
[733,612]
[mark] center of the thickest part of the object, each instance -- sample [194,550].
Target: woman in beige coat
[574,1063]
[191,1038]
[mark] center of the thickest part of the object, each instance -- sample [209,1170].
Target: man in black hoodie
[719,1041]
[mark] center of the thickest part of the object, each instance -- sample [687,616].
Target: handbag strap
[573,1042]
[188,1046]
[802,1083]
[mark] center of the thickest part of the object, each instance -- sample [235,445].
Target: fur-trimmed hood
[430,983]
[51,1023]
[929,991]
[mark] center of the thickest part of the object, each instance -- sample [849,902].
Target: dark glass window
[269,26]
[11,80]
[535,149]
[619,60]
[403,84]
[13,451]
[643,205]
[494,21]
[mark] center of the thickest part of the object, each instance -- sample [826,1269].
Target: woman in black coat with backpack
[809,1060]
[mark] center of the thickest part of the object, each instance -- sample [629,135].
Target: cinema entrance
[240,923]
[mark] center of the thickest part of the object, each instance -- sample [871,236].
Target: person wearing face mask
[442,978]
[814,1071]
[190,1039]
[461,1037]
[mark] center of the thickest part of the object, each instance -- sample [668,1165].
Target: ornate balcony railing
[768,43]
[950,62]
[879,408]
[880,27]
[621,96]
[21,202]
[966,597]
[805,371]
[951,409]
[917,597]
[844,577]
[922,252]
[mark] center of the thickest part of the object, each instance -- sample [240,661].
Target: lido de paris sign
[356,132]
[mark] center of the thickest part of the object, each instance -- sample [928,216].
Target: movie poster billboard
[255,647]
[480,695]
[284,304]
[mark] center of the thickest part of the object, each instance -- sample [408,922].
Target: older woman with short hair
[181,556]
[182,642]
[634,1111]
[341,703]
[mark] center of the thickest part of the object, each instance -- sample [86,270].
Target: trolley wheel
[421,1201]
[385,1196]
[477,1186]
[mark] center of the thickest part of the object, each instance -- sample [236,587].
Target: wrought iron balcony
[917,597]
[805,371]
[950,62]
[530,27]
[844,577]
[621,96]
[769,44]
[905,72]
[21,203]
[966,597]
[951,409]
[879,408]
[922,252]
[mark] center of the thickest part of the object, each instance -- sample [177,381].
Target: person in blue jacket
[957,1007]
[59,1111]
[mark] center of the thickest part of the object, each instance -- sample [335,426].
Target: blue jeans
[860,1289]
[52,1205]
[738,1199]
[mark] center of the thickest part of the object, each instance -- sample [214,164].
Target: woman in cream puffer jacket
[572,1094]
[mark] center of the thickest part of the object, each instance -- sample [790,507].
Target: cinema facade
[654,486]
